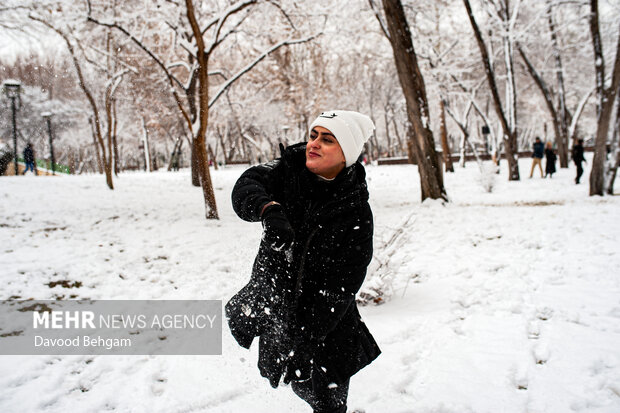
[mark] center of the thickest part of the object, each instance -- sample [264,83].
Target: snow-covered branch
[141,45]
[578,112]
[223,16]
[377,14]
[283,12]
[256,61]
[212,46]
[119,61]
[115,80]
[179,63]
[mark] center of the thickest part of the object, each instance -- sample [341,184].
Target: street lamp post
[485,134]
[48,117]
[11,89]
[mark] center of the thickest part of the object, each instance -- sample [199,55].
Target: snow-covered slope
[500,302]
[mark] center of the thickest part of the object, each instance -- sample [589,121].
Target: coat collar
[352,178]
[324,198]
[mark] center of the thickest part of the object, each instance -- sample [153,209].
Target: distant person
[578,158]
[551,157]
[29,158]
[537,155]
[175,160]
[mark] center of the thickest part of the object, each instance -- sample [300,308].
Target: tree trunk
[412,84]
[99,163]
[387,133]
[509,135]
[71,162]
[614,153]
[443,131]
[147,149]
[108,175]
[212,157]
[411,156]
[464,132]
[613,172]
[401,148]
[462,150]
[220,137]
[562,138]
[203,117]
[117,166]
[597,176]
[605,103]
[511,87]
[154,160]
[194,163]
[176,152]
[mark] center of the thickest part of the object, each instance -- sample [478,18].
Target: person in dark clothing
[578,158]
[537,155]
[29,158]
[551,157]
[175,160]
[312,260]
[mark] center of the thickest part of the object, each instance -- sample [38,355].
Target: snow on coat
[304,299]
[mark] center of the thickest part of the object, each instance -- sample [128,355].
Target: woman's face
[323,153]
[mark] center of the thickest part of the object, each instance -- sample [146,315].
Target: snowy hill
[500,302]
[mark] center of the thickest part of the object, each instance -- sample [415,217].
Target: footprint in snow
[541,353]
[544,313]
[410,358]
[519,377]
[158,387]
[533,330]
[402,385]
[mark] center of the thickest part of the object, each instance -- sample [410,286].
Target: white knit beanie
[351,129]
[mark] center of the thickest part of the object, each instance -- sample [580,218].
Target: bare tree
[197,102]
[554,97]
[509,129]
[103,138]
[614,158]
[414,90]
[606,98]
[562,118]
[558,120]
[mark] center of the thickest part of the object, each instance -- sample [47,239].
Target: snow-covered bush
[379,285]
[488,176]
[5,157]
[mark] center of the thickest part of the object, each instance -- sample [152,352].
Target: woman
[550,155]
[317,243]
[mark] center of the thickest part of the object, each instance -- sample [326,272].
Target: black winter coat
[28,154]
[578,153]
[539,149]
[551,157]
[303,300]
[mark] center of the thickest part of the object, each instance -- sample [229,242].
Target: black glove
[299,363]
[278,231]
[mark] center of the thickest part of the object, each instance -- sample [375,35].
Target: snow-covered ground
[502,302]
